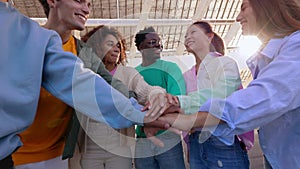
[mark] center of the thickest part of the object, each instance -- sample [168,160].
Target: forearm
[187,122]
[204,119]
[88,93]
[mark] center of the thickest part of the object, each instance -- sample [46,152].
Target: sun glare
[248,45]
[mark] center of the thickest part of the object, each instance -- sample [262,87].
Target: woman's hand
[158,103]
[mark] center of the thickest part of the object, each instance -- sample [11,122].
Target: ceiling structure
[169,17]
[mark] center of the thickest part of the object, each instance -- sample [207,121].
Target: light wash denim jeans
[150,156]
[214,154]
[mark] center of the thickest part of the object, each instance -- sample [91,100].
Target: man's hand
[151,128]
[151,132]
[150,122]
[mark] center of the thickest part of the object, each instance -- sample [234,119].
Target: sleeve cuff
[138,117]
[224,131]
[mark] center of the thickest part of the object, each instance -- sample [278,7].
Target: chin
[79,27]
[188,49]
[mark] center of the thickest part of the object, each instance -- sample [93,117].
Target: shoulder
[31,27]
[287,47]
[80,43]
[168,65]
[139,68]
[218,60]
[227,59]
[127,69]
[295,35]
[292,39]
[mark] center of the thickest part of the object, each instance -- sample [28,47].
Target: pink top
[190,78]
[113,71]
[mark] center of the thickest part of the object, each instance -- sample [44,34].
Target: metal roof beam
[201,9]
[135,22]
[232,32]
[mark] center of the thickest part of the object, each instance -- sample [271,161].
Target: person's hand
[179,121]
[151,128]
[158,103]
[150,132]
[173,109]
[188,122]
[151,122]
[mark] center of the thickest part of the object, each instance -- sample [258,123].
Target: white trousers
[97,158]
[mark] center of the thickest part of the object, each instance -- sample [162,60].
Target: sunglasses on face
[154,42]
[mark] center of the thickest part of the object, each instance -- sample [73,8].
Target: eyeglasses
[154,42]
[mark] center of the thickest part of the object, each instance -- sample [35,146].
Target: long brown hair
[277,18]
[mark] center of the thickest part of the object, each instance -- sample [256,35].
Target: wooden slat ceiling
[169,17]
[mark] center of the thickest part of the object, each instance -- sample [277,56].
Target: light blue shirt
[31,56]
[271,102]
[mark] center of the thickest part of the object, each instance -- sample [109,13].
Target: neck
[264,41]
[110,67]
[199,56]
[198,62]
[146,61]
[61,29]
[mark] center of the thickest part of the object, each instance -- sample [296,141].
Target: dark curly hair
[96,36]
[141,36]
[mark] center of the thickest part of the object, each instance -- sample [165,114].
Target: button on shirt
[270,102]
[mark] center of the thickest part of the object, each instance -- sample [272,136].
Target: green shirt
[166,75]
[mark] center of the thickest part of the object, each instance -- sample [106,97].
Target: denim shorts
[214,154]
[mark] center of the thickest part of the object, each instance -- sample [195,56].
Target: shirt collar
[272,48]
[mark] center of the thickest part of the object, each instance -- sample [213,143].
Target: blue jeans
[150,156]
[214,154]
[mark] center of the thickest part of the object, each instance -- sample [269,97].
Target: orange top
[45,138]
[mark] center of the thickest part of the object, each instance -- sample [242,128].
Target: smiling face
[247,19]
[196,40]
[71,13]
[111,49]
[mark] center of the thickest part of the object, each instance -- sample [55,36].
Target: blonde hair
[277,18]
